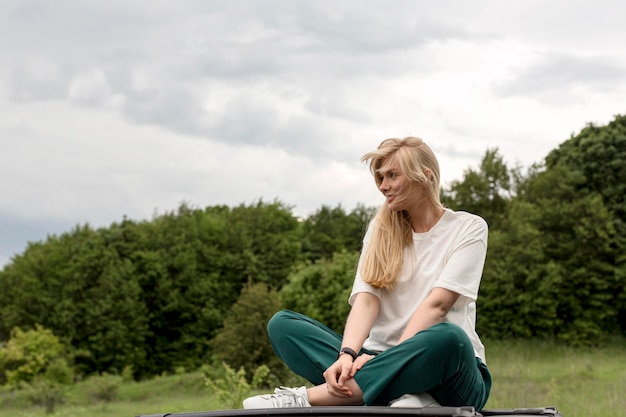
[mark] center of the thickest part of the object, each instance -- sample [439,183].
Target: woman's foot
[282,398]
[420,400]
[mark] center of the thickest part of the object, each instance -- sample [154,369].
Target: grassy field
[579,382]
[589,382]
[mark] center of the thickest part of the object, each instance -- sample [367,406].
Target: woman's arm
[461,275]
[432,311]
[360,320]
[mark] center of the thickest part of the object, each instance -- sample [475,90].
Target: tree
[148,294]
[78,286]
[485,191]
[243,341]
[520,287]
[555,266]
[321,289]
[266,239]
[598,155]
[92,287]
[184,274]
[36,361]
[331,230]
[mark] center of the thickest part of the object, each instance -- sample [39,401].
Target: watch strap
[349,351]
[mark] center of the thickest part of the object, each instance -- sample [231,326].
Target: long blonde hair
[382,259]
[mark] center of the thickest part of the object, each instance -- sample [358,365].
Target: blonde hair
[382,259]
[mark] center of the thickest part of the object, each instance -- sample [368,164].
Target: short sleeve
[463,270]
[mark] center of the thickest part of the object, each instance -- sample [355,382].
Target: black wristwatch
[349,351]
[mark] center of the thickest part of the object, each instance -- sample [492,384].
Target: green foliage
[50,388]
[233,387]
[196,285]
[526,373]
[33,354]
[332,230]
[176,393]
[45,393]
[150,294]
[555,266]
[204,259]
[35,362]
[267,238]
[103,388]
[127,373]
[599,153]
[187,289]
[321,289]
[78,286]
[243,343]
[598,156]
[485,191]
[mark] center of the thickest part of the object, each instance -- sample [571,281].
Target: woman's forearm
[360,320]
[432,311]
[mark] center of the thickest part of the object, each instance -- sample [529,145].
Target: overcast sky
[129,108]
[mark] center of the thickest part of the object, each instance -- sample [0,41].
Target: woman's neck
[425,218]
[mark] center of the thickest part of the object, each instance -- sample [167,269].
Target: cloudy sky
[128,108]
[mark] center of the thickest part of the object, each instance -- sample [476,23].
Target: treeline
[153,294]
[197,285]
[556,263]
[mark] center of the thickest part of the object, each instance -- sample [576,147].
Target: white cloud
[560,77]
[123,108]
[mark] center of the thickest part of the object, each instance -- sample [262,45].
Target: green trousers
[439,360]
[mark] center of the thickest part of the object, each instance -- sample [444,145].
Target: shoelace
[287,397]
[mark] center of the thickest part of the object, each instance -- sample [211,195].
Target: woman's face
[400,192]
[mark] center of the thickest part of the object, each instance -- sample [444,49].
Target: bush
[46,393]
[233,387]
[243,341]
[103,388]
[35,361]
[321,289]
[31,354]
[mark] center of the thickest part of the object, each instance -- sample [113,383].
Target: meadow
[580,382]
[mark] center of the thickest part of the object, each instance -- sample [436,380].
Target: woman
[409,340]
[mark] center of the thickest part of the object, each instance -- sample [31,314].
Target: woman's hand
[362,315]
[337,374]
[359,362]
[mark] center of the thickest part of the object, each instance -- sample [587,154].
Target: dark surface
[369,411]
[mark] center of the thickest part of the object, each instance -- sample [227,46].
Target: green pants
[439,360]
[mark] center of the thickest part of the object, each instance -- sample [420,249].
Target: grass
[173,393]
[589,382]
[580,382]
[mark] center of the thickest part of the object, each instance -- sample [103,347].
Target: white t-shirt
[451,255]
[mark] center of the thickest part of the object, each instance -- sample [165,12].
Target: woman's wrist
[348,351]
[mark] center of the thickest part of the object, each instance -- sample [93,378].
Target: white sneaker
[282,398]
[420,400]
